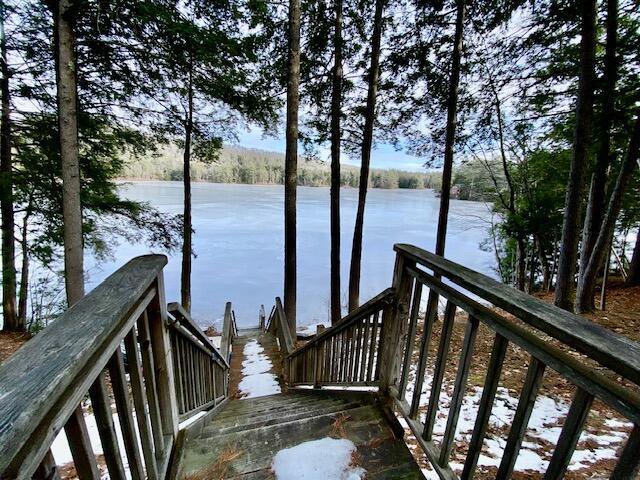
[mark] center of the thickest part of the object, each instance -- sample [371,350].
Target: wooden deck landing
[242,439]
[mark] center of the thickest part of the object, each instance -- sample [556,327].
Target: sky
[383,156]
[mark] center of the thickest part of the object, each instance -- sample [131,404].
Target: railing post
[163,360]
[394,325]
[261,318]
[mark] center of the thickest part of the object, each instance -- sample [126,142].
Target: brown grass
[10,342]
[219,469]
[68,470]
[338,428]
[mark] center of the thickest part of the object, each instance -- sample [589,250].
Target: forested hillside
[253,166]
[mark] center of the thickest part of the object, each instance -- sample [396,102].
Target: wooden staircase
[179,419]
[250,432]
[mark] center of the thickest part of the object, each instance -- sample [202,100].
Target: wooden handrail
[610,349]
[384,298]
[282,328]
[585,377]
[44,382]
[183,318]
[534,322]
[227,331]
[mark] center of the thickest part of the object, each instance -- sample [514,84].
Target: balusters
[527,400]
[80,445]
[150,384]
[140,403]
[365,348]
[125,414]
[491,382]
[430,317]
[106,429]
[459,389]
[628,464]
[378,350]
[438,375]
[570,435]
[372,347]
[411,336]
[356,362]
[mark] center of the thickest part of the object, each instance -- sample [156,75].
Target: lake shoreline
[121,180]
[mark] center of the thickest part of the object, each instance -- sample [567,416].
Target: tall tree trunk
[634,266]
[68,126]
[336,113]
[450,135]
[367,142]
[24,275]
[575,185]
[291,166]
[587,283]
[187,247]
[596,202]
[9,314]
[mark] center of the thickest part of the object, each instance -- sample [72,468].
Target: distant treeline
[252,166]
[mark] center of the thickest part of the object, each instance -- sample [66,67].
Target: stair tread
[382,455]
[249,422]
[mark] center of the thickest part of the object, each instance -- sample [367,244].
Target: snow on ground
[62,453]
[60,446]
[257,381]
[307,331]
[324,459]
[543,430]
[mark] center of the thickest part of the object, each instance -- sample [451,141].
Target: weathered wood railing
[43,383]
[229,331]
[347,353]
[277,324]
[173,372]
[200,370]
[551,337]
[542,330]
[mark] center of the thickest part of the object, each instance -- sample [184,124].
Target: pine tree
[572,211]
[367,144]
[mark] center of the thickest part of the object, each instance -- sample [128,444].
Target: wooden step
[233,424]
[283,421]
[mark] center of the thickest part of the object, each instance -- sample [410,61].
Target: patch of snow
[62,452]
[543,429]
[257,381]
[191,420]
[306,331]
[324,459]
[60,446]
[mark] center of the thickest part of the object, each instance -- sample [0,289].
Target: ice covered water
[239,243]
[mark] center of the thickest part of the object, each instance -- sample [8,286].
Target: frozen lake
[238,241]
